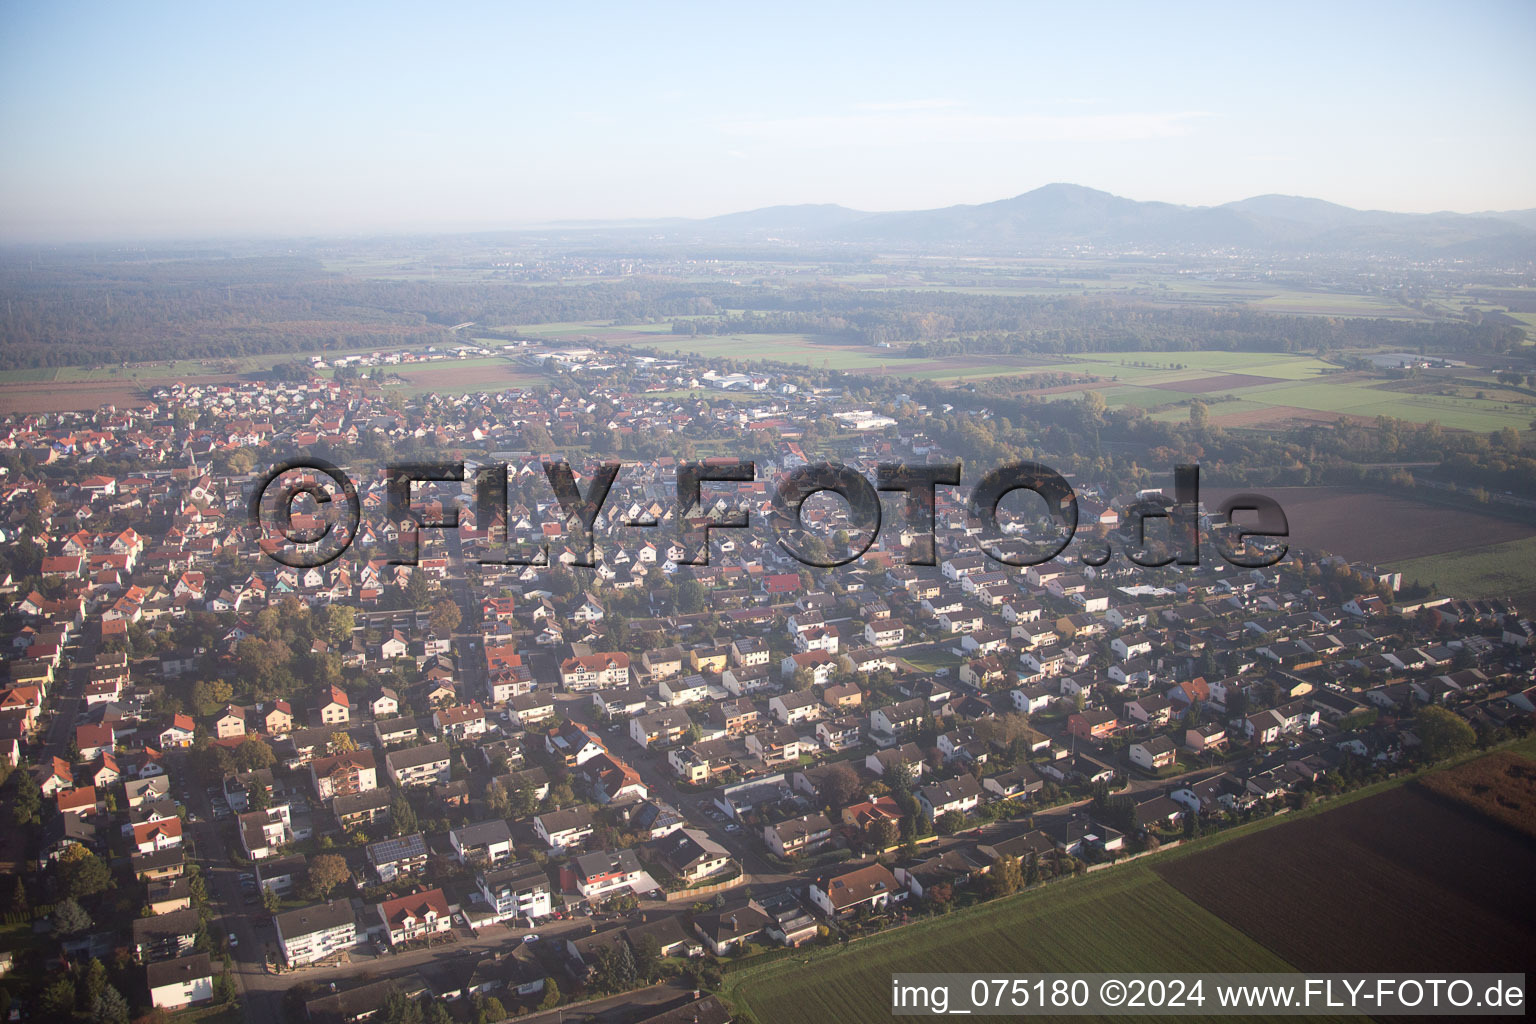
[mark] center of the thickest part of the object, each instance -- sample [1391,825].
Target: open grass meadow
[1507,570]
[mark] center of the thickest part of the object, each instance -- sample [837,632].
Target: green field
[1497,570]
[458,376]
[1123,919]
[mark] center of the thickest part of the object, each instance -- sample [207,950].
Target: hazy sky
[121,120]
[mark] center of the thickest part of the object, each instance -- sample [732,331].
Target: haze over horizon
[183,122]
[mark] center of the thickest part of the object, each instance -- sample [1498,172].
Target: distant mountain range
[1054,216]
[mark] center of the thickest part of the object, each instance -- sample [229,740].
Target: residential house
[961,794]
[426,765]
[391,858]
[843,894]
[184,981]
[516,891]
[487,843]
[417,916]
[1153,754]
[805,834]
[312,934]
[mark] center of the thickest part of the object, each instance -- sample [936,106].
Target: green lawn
[1497,570]
[1122,919]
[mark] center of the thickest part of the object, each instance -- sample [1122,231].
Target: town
[322,792]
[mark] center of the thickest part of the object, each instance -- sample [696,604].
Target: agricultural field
[1335,304]
[28,398]
[170,370]
[80,387]
[1399,881]
[463,375]
[1505,569]
[1501,786]
[49,389]
[1122,919]
[1388,528]
[1242,389]
[793,349]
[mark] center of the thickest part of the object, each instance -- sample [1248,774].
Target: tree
[403,814]
[1199,416]
[615,969]
[522,801]
[492,1010]
[340,620]
[445,617]
[497,799]
[692,597]
[1006,877]
[551,995]
[341,742]
[110,1007]
[93,984]
[326,872]
[28,802]
[81,873]
[950,822]
[70,918]
[648,958]
[253,753]
[20,905]
[58,1000]
[399,1009]
[209,695]
[1442,733]
[418,592]
[884,834]
[263,662]
[840,785]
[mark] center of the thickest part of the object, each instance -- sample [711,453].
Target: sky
[201,121]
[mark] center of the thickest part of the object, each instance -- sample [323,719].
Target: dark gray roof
[320,917]
[179,971]
[483,833]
